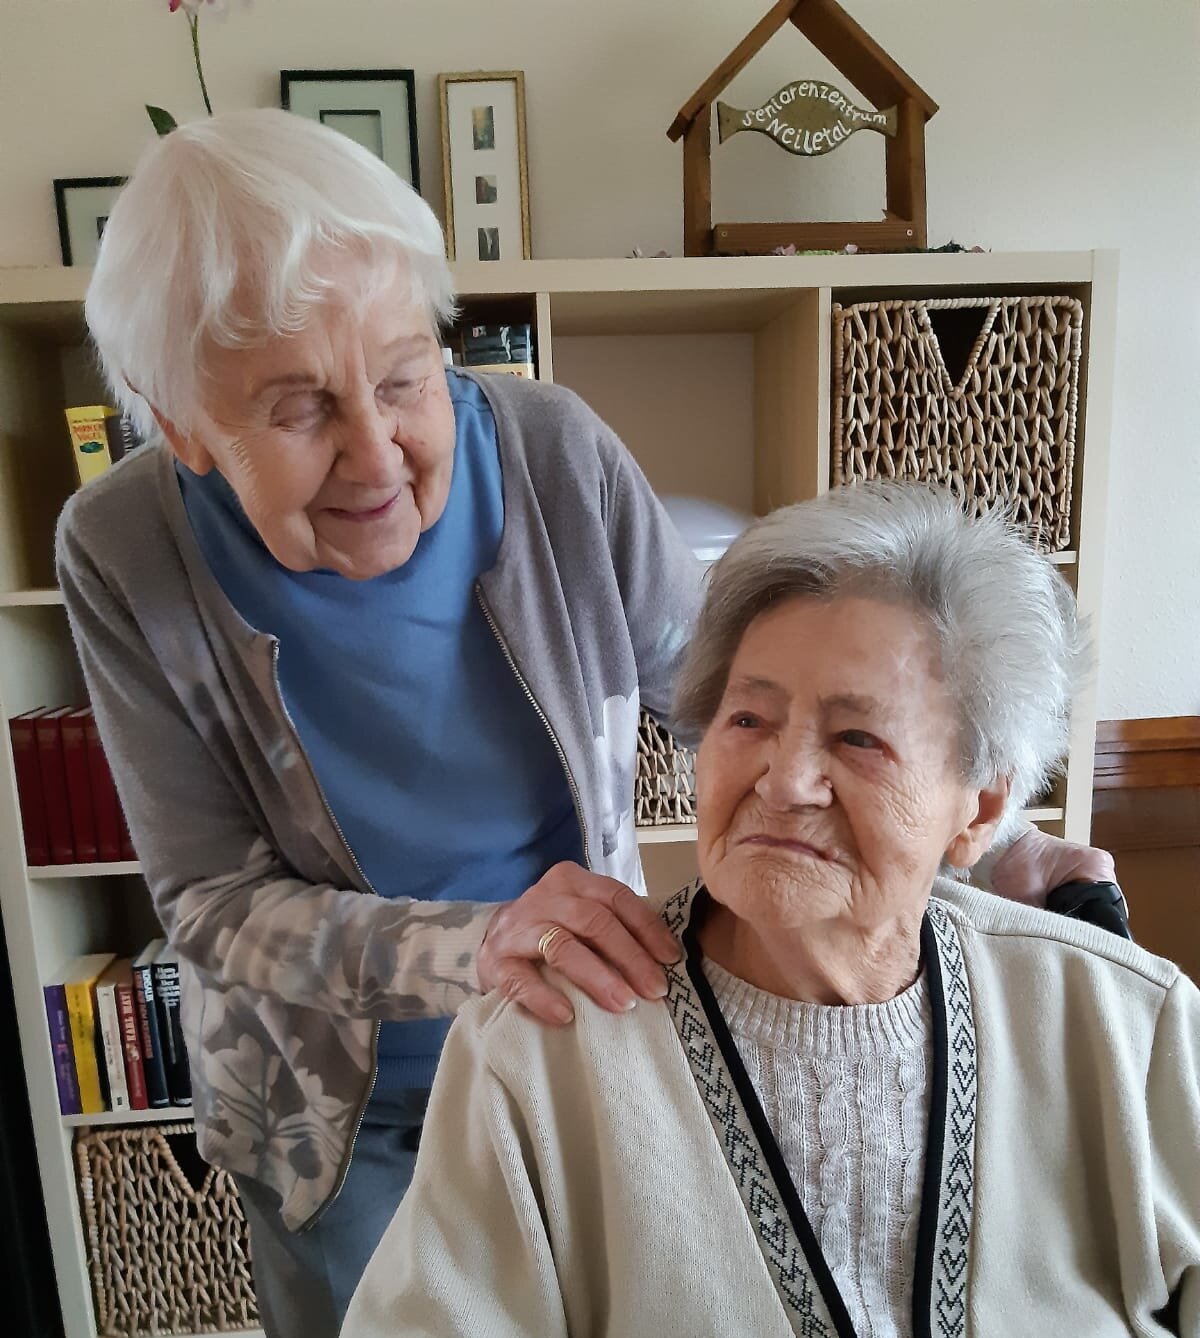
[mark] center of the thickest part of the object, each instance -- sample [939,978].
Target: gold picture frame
[485,167]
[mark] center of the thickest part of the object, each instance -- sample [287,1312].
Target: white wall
[1064,124]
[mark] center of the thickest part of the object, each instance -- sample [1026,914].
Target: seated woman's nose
[795,778]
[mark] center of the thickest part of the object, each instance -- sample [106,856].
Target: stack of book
[497,348]
[100,436]
[115,1032]
[69,806]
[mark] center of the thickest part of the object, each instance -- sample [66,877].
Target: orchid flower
[162,120]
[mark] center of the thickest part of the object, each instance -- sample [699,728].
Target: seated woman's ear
[976,837]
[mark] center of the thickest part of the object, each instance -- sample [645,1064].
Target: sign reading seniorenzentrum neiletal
[807,117]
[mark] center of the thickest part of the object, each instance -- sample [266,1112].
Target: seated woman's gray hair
[225,235]
[1002,618]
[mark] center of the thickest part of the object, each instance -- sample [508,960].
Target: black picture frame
[291,80]
[63,186]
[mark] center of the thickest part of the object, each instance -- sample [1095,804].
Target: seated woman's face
[827,783]
[339,439]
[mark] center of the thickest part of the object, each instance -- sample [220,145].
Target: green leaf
[161,120]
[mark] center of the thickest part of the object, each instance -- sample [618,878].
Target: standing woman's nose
[367,446]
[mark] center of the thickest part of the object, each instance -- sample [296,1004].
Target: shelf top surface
[713,293]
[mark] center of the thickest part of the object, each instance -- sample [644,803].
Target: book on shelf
[100,436]
[126,846]
[59,1022]
[70,812]
[79,786]
[107,1038]
[153,1066]
[47,729]
[135,1073]
[78,979]
[105,804]
[525,369]
[88,426]
[29,786]
[497,348]
[112,1047]
[165,970]
[123,435]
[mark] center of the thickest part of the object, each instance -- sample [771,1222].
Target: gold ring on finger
[547,939]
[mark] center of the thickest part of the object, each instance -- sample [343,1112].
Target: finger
[635,912]
[523,983]
[639,917]
[593,975]
[599,929]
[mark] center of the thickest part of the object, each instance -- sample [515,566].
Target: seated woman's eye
[744,720]
[858,738]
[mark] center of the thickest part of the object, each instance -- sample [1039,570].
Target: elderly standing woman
[875,1103]
[366,641]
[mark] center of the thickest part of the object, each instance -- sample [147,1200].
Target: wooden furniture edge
[1140,754]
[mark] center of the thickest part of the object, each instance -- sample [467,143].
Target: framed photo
[83,205]
[375,108]
[485,167]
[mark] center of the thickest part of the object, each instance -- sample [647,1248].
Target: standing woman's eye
[299,412]
[744,720]
[402,392]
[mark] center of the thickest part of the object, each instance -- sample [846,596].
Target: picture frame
[82,205]
[375,108]
[485,165]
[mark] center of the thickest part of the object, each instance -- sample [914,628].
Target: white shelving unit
[716,372]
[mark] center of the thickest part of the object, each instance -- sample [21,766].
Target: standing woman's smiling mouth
[363,514]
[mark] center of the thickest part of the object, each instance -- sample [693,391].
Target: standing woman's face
[337,440]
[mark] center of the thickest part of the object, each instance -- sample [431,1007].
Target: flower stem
[194,25]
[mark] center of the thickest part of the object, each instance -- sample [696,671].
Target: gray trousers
[304,1281]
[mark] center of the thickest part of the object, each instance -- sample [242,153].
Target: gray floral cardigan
[289,961]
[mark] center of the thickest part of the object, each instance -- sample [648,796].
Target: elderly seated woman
[876,1102]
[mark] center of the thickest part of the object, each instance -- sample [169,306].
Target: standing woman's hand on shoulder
[611,945]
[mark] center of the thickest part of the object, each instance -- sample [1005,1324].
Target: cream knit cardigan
[571,1182]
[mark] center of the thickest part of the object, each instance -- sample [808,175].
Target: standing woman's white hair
[243,213]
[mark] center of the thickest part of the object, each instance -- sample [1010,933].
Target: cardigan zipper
[542,716]
[344,1168]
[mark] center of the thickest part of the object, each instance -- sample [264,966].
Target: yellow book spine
[512,368]
[80,1010]
[89,440]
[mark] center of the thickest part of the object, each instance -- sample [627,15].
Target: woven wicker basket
[1003,434]
[165,1255]
[664,789]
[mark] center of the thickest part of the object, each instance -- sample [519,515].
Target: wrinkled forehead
[843,647]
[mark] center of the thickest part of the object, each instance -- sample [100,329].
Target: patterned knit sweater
[845,1093]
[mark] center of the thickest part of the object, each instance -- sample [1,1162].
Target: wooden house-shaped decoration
[877,77]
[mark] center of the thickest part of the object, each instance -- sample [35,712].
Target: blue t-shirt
[435,764]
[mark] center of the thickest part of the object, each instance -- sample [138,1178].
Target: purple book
[64,1053]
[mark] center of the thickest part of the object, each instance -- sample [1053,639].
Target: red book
[79,786]
[105,805]
[127,1014]
[48,729]
[29,786]
[127,850]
